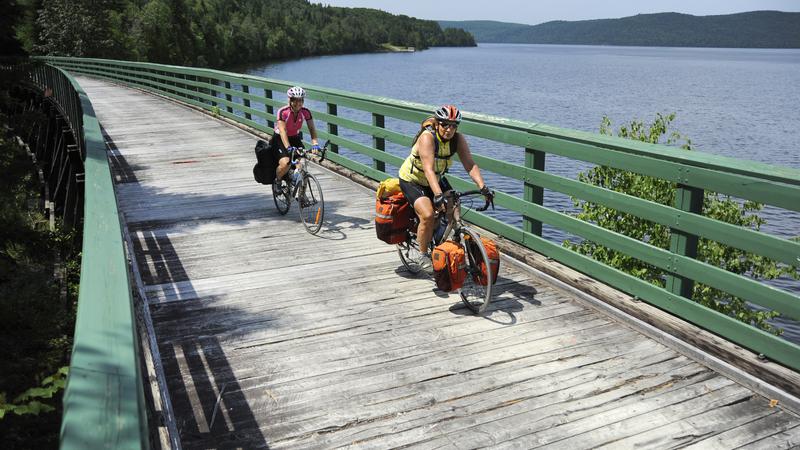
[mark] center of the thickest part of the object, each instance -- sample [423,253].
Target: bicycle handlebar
[489,201]
[300,152]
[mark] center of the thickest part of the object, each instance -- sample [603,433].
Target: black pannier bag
[264,170]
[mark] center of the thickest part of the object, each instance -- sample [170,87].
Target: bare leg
[283,167]
[424,208]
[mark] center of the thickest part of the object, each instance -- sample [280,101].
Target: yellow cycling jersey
[411,170]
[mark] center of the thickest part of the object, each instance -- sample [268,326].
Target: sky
[537,11]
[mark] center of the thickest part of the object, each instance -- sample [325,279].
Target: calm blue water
[741,103]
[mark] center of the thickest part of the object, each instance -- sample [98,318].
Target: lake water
[741,103]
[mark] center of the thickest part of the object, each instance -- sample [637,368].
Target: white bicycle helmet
[296,92]
[448,113]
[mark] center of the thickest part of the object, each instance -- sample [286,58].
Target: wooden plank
[751,432]
[542,395]
[785,439]
[701,426]
[271,337]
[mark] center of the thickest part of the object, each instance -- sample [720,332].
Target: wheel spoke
[474,293]
[409,254]
[281,196]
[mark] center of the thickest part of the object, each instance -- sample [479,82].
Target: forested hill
[217,33]
[757,29]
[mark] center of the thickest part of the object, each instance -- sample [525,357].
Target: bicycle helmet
[296,92]
[448,113]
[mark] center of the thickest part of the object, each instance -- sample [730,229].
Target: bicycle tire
[476,296]
[409,253]
[311,204]
[281,196]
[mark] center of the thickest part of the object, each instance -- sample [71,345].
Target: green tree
[715,206]
[76,28]
[216,33]
[37,307]
[11,16]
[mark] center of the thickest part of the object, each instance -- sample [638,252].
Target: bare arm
[284,137]
[313,130]
[469,164]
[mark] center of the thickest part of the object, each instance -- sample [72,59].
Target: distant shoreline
[639,46]
[755,29]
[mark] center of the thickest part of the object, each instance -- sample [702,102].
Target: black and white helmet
[448,113]
[296,92]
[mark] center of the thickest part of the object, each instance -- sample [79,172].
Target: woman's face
[447,129]
[296,103]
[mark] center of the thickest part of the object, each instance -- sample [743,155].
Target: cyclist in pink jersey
[287,129]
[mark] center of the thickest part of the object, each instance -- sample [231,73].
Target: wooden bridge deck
[271,337]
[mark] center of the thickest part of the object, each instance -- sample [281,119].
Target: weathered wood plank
[786,439]
[751,432]
[274,338]
[700,426]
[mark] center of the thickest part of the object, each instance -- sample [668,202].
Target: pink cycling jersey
[293,121]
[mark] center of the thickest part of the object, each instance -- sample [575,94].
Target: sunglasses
[453,125]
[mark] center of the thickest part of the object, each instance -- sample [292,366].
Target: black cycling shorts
[276,143]
[413,191]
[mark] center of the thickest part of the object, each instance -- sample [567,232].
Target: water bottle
[295,177]
[441,226]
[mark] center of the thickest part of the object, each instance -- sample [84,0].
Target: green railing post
[681,243]
[185,86]
[212,92]
[202,89]
[332,127]
[195,88]
[228,97]
[534,159]
[246,101]
[378,142]
[268,94]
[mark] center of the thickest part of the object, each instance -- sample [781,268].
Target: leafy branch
[715,206]
[30,401]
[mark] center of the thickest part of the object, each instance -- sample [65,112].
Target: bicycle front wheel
[281,195]
[312,205]
[474,293]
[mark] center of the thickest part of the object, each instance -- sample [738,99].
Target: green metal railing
[237,97]
[104,403]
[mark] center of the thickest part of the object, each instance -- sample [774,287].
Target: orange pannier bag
[392,218]
[494,262]
[449,266]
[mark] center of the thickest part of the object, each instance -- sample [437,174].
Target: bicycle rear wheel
[409,255]
[312,205]
[280,193]
[473,293]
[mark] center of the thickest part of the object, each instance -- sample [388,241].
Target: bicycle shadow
[335,226]
[508,297]
[403,272]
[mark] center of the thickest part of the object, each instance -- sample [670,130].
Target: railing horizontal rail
[104,400]
[745,288]
[777,186]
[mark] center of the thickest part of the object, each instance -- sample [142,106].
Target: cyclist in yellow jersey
[422,173]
